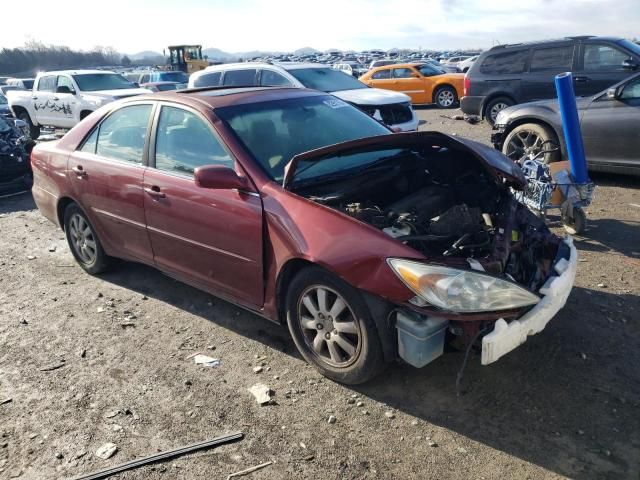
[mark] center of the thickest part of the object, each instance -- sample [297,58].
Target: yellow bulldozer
[187,58]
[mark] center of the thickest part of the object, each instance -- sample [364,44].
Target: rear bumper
[471,105]
[508,336]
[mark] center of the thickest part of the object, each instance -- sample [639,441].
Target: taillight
[467,85]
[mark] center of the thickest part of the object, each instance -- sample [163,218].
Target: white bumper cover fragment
[508,336]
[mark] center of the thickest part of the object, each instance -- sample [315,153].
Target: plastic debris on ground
[206,361]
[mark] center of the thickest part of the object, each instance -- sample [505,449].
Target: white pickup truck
[62,99]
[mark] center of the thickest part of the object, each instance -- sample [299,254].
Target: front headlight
[460,290]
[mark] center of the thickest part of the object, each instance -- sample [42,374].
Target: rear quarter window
[504,63]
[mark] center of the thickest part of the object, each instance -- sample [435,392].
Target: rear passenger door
[544,64]
[211,238]
[106,174]
[600,68]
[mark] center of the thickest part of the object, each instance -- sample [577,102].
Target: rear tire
[530,138]
[83,241]
[445,97]
[34,130]
[333,330]
[492,108]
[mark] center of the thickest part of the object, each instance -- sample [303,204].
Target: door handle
[154,191]
[34,97]
[581,79]
[56,98]
[79,171]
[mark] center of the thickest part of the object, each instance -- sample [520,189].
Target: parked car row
[391,108]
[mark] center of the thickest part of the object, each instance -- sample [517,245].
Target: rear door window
[504,63]
[402,73]
[554,58]
[208,80]
[47,84]
[240,78]
[600,57]
[122,134]
[273,79]
[381,75]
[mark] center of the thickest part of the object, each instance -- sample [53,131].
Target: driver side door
[209,238]
[410,82]
[64,104]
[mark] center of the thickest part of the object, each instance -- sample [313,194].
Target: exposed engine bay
[448,205]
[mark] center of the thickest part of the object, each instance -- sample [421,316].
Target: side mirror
[64,89]
[219,177]
[136,84]
[415,75]
[612,93]
[629,64]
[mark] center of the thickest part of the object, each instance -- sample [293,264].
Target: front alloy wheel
[332,327]
[329,326]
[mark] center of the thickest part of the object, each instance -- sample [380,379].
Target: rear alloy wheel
[446,97]
[83,241]
[526,140]
[494,107]
[331,326]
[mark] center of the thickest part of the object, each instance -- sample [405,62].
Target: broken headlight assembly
[460,291]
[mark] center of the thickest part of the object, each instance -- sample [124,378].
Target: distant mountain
[145,54]
[217,54]
[305,51]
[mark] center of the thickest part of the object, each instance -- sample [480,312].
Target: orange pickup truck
[424,83]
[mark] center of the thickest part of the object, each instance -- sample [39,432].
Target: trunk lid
[498,165]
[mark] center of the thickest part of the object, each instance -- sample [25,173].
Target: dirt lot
[566,403]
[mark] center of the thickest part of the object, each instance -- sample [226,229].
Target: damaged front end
[15,169]
[491,267]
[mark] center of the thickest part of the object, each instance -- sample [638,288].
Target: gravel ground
[89,360]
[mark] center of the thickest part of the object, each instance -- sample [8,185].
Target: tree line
[34,57]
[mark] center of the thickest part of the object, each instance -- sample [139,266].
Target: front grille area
[390,114]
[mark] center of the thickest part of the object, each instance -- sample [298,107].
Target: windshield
[634,47]
[3,100]
[326,79]
[275,131]
[93,82]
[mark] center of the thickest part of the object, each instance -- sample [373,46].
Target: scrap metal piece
[161,456]
[249,470]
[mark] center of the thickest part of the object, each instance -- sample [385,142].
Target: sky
[131,26]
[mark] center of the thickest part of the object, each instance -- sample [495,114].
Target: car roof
[283,65]
[584,38]
[75,72]
[216,97]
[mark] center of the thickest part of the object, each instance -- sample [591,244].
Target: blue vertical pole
[571,127]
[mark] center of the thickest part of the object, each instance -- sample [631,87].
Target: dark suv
[509,74]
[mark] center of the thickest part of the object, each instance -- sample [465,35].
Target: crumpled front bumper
[508,336]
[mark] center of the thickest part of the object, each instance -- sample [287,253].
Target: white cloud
[131,26]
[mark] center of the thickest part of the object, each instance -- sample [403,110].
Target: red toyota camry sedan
[298,206]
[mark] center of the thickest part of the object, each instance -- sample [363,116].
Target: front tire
[34,130]
[528,139]
[332,327]
[445,97]
[83,241]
